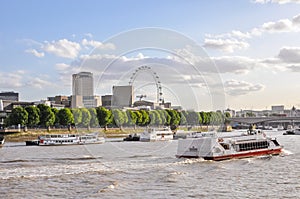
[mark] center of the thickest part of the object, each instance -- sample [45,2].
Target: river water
[144,170]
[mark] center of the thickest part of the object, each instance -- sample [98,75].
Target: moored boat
[132,137]
[295,131]
[69,139]
[32,142]
[212,146]
[153,134]
[2,140]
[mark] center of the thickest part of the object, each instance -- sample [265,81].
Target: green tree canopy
[94,120]
[65,116]
[104,116]
[33,116]
[77,114]
[47,117]
[175,117]
[119,117]
[86,117]
[193,118]
[18,116]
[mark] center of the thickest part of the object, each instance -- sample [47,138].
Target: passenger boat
[153,134]
[213,146]
[69,139]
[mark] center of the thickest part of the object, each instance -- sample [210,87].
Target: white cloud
[283,25]
[296,20]
[290,54]
[11,80]
[35,52]
[97,44]
[236,88]
[236,40]
[62,66]
[39,83]
[235,64]
[227,45]
[63,48]
[276,1]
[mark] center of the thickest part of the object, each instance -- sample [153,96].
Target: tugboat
[132,137]
[214,146]
[32,142]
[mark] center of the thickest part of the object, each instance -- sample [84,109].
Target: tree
[131,121]
[193,118]
[175,117]
[18,116]
[77,114]
[227,115]
[162,116]
[104,116]
[33,116]
[65,116]
[86,117]
[118,117]
[145,118]
[183,118]
[204,118]
[47,117]
[94,121]
[155,118]
[139,118]
[55,111]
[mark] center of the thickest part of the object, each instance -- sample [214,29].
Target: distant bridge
[256,120]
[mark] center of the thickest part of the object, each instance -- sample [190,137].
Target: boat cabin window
[253,145]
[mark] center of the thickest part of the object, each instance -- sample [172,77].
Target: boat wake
[190,161]
[286,152]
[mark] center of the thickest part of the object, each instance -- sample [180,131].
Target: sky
[204,55]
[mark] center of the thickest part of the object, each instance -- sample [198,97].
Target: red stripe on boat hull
[239,155]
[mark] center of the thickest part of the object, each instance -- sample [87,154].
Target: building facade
[122,96]
[9,96]
[83,90]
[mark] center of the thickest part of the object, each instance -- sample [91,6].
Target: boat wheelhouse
[69,139]
[214,146]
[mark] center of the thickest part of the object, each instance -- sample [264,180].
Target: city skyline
[253,47]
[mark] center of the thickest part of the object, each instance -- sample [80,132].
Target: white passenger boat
[69,139]
[153,134]
[212,146]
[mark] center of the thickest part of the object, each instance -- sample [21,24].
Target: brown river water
[144,170]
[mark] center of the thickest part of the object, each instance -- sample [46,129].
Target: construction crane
[141,96]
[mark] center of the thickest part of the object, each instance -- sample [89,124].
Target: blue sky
[254,44]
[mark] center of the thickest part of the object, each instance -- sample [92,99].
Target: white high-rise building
[83,90]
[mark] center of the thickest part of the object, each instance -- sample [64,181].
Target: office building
[83,90]
[9,96]
[122,96]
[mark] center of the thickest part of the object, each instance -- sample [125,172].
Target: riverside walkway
[256,120]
